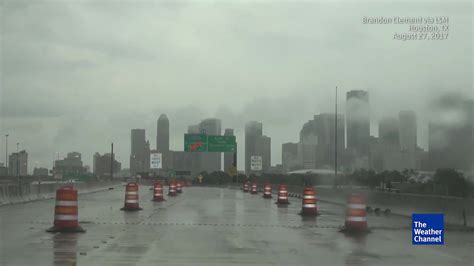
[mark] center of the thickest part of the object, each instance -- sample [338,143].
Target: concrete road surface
[213,226]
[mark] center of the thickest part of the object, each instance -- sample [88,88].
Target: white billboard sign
[255,163]
[156,161]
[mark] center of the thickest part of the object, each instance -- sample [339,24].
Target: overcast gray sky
[77,75]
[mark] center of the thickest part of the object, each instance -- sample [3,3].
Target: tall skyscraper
[263,147]
[318,141]
[450,134]
[163,134]
[408,131]
[193,129]
[358,122]
[163,142]
[18,163]
[228,156]
[307,145]
[138,152]
[468,107]
[102,165]
[253,130]
[210,161]
[325,129]
[389,135]
[289,156]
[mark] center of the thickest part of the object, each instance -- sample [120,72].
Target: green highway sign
[195,142]
[221,144]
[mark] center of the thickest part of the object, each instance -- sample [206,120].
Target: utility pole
[6,152]
[112,161]
[18,159]
[335,141]
[18,166]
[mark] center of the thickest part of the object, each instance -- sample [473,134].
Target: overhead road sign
[195,142]
[221,144]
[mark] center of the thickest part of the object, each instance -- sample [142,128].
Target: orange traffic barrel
[282,195]
[65,211]
[179,187]
[172,189]
[267,191]
[158,192]
[309,202]
[246,187]
[131,198]
[253,189]
[356,214]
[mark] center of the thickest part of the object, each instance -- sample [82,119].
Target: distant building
[408,130]
[263,146]
[228,156]
[451,133]
[140,152]
[389,135]
[277,169]
[358,121]
[40,172]
[193,129]
[163,142]
[102,165]
[317,145]
[307,145]
[3,170]
[186,162]
[253,130]
[325,129]
[70,166]
[163,134]
[210,161]
[390,156]
[289,156]
[18,163]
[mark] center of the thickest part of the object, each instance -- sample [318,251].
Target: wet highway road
[213,226]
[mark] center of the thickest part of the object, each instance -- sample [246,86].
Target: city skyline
[276,148]
[236,62]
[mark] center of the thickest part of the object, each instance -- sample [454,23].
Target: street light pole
[18,166]
[112,162]
[18,159]
[6,152]
[335,141]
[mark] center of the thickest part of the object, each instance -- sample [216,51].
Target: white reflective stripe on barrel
[131,201]
[309,197]
[282,197]
[63,217]
[309,205]
[356,206]
[356,219]
[283,191]
[66,203]
[132,193]
[157,195]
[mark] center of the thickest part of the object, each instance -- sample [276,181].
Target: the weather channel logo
[427,229]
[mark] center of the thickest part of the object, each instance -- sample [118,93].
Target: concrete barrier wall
[404,204]
[13,193]
[398,203]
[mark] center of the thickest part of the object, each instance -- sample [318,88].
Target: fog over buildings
[77,76]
